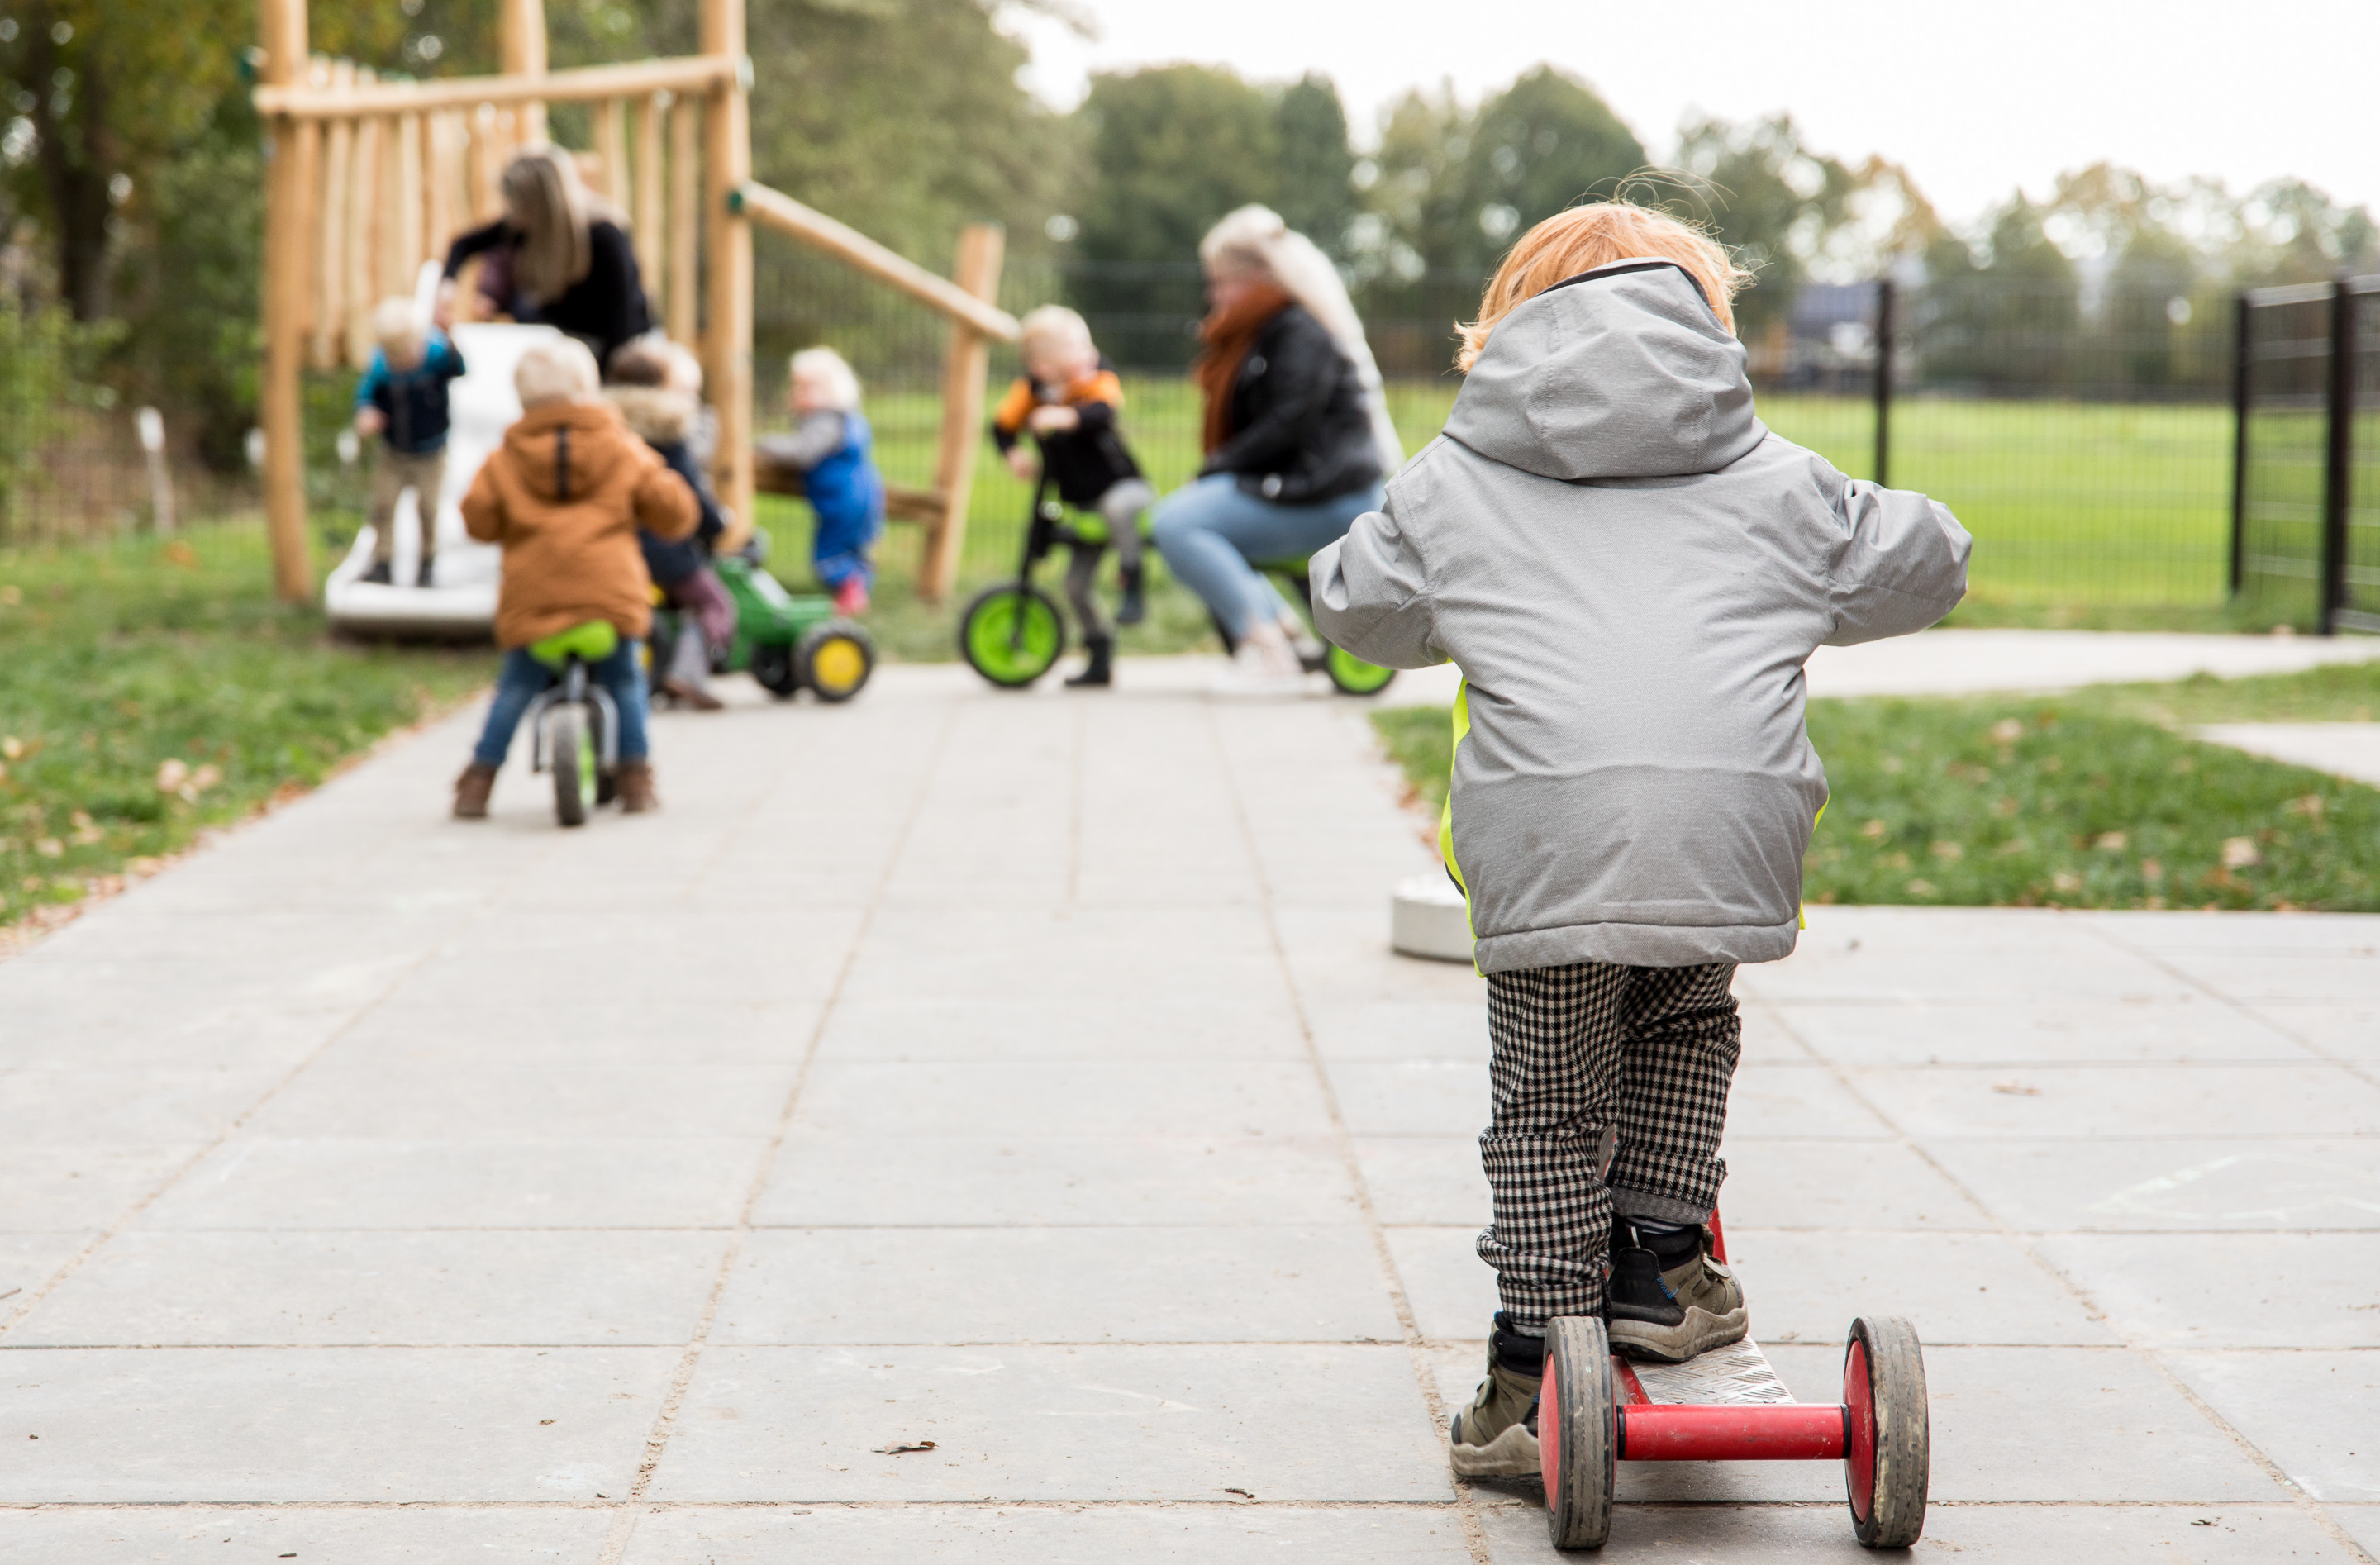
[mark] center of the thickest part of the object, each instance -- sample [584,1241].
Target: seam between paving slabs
[132,1214]
[624,1521]
[1417,1347]
[2295,1497]
[2352,1067]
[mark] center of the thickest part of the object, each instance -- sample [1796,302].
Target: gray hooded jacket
[1630,570]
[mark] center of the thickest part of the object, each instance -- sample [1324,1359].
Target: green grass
[2090,799]
[155,688]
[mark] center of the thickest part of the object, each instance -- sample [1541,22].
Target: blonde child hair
[556,371]
[1584,238]
[828,369]
[396,327]
[1053,326]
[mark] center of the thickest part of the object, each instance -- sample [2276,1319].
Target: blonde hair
[1584,238]
[396,325]
[556,371]
[825,365]
[1053,325]
[548,203]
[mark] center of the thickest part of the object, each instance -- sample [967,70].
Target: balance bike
[574,727]
[1728,1405]
[1350,675]
[1013,632]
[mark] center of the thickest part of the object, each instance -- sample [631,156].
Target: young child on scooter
[565,495]
[402,399]
[1067,400]
[1630,571]
[834,450]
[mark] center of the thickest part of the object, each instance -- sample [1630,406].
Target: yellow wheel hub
[839,665]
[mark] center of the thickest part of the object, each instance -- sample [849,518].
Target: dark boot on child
[1669,1299]
[1135,606]
[1100,671]
[471,791]
[1495,1437]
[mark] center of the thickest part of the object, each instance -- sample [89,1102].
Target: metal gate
[2305,502]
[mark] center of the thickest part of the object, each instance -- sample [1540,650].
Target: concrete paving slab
[1813,1185]
[255,1535]
[2230,1290]
[1064,1100]
[2292,976]
[27,1260]
[70,1186]
[2343,749]
[694,1032]
[2174,932]
[368,1101]
[449,1289]
[1424,1180]
[860,1285]
[2034,1101]
[88,1031]
[2148,1185]
[1433,1098]
[1068,1026]
[128,1106]
[1805,1100]
[970,1181]
[2309,1412]
[2360,1523]
[1401,1030]
[1961,1288]
[2341,1032]
[2065,973]
[2068,1033]
[1450,1289]
[266,1183]
[1399,1534]
[1186,1423]
[284,1424]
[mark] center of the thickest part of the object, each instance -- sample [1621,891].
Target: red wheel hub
[1859,1454]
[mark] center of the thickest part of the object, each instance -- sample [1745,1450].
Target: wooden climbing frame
[368,178]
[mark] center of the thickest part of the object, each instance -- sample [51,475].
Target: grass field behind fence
[2071,503]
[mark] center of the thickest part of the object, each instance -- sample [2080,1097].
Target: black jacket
[1300,430]
[1085,461]
[603,309]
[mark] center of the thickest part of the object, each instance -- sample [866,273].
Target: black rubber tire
[1900,1430]
[773,668]
[1578,1432]
[820,638]
[566,729]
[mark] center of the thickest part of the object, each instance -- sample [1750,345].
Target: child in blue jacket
[402,399]
[834,452]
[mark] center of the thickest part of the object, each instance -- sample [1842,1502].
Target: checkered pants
[1643,1052]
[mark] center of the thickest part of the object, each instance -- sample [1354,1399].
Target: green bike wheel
[1011,633]
[1353,676]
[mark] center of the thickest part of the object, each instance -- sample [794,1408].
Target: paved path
[2343,749]
[1027,1075]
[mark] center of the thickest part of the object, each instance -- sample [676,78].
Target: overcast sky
[1975,100]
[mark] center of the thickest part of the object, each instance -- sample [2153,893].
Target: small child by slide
[402,399]
[834,450]
[1630,571]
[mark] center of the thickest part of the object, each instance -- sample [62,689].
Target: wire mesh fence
[2308,464]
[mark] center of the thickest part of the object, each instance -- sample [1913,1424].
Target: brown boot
[636,782]
[471,791]
[693,694]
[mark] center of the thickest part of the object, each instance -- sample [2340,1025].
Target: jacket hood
[1622,372]
[656,415]
[563,452]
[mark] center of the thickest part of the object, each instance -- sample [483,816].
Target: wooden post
[405,241]
[286,248]
[523,29]
[685,219]
[648,214]
[363,256]
[728,335]
[611,151]
[980,251]
[338,177]
[320,310]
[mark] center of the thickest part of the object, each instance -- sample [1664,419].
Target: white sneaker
[1266,664]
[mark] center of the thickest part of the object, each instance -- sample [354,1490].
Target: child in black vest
[1067,400]
[402,399]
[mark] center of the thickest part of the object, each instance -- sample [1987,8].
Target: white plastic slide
[461,600]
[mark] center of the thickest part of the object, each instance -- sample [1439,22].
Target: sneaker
[1669,1300]
[471,791]
[1495,1437]
[1266,664]
[851,598]
[381,573]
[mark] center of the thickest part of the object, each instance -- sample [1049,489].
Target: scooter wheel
[570,750]
[1351,675]
[1886,1460]
[1011,633]
[1577,1432]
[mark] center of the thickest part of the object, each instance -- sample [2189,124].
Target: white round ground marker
[1426,918]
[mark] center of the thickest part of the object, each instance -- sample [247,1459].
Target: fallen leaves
[176,777]
[903,1448]
[2239,852]
[2111,842]
[2015,1089]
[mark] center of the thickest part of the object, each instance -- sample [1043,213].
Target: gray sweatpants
[1120,507]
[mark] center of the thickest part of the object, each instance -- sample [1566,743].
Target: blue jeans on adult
[1210,529]
[621,674]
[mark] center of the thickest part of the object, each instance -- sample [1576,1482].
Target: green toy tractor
[788,642]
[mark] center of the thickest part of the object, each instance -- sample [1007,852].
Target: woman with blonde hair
[558,255]
[1296,435]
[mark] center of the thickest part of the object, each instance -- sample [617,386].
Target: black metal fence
[2306,490]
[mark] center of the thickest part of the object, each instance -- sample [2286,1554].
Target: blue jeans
[1210,530]
[621,674]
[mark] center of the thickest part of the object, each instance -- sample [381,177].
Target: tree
[1172,148]
[1770,199]
[1315,193]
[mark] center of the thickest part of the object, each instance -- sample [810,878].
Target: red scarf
[1229,333]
